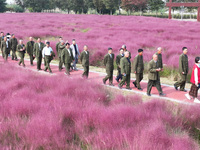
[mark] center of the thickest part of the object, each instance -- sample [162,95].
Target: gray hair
[159,48]
[124,46]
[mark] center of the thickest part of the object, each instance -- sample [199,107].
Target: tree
[155,5]
[2,5]
[99,5]
[111,5]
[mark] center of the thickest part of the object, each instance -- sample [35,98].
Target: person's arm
[122,65]
[196,77]
[135,64]
[34,49]
[151,69]
[181,69]
[43,52]
[105,60]
[81,57]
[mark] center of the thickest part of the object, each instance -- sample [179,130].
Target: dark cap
[140,50]
[48,43]
[67,44]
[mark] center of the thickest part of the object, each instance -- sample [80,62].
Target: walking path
[171,93]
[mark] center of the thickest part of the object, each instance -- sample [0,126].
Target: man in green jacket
[29,48]
[118,58]
[5,47]
[59,52]
[183,70]
[1,40]
[37,52]
[138,69]
[85,61]
[109,63]
[67,58]
[21,51]
[125,65]
[153,75]
[14,43]
[125,50]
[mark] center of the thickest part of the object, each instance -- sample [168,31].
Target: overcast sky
[10,1]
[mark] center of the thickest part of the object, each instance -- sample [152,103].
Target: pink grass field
[55,112]
[102,31]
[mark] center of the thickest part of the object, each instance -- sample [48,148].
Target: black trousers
[67,68]
[86,71]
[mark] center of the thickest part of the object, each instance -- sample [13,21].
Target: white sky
[10,1]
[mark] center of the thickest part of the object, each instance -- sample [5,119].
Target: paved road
[171,93]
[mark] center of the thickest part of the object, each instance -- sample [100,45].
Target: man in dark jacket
[125,65]
[183,70]
[118,58]
[109,63]
[85,61]
[14,43]
[138,68]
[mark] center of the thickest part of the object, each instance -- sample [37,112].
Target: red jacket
[195,70]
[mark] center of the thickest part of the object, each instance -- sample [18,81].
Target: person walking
[46,53]
[183,70]
[29,49]
[14,43]
[109,63]
[118,58]
[21,51]
[76,53]
[138,69]
[85,61]
[5,47]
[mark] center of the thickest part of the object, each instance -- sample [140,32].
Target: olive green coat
[37,52]
[109,62]
[13,43]
[57,46]
[29,47]
[20,53]
[85,58]
[118,58]
[152,73]
[183,64]
[125,66]
[66,57]
[4,47]
[160,63]
[60,49]
[138,64]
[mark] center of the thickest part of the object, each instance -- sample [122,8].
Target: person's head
[5,38]
[62,42]
[45,41]
[74,41]
[85,48]
[39,40]
[159,50]
[13,36]
[20,42]
[121,51]
[124,47]
[185,50]
[126,54]
[155,57]
[197,60]
[48,44]
[2,34]
[30,38]
[60,39]
[67,45]
[140,52]
[110,50]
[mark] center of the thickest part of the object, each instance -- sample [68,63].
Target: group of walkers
[69,54]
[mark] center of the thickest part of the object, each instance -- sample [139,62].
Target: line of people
[69,55]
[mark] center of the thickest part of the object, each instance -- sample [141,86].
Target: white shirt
[47,51]
[86,52]
[69,52]
[7,44]
[39,46]
[196,75]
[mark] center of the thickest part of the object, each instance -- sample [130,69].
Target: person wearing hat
[124,48]
[5,47]
[29,49]
[125,65]
[47,53]
[183,70]
[37,52]
[118,58]
[85,61]
[14,43]
[21,51]
[154,77]
[67,58]
[138,69]
[109,63]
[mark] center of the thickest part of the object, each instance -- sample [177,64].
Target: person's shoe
[140,89]
[134,84]
[128,88]
[187,96]
[183,90]
[176,88]
[148,94]
[51,72]
[104,82]
[45,70]
[32,65]
[76,69]
[196,101]
[119,86]
[162,94]
[24,66]
[117,80]
[111,84]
